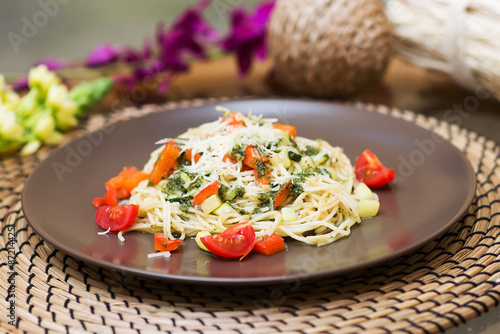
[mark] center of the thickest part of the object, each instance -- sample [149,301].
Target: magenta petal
[55,63]
[244,63]
[262,13]
[147,49]
[21,84]
[247,36]
[102,55]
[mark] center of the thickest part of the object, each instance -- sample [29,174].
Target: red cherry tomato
[236,241]
[371,171]
[116,218]
[164,244]
[269,244]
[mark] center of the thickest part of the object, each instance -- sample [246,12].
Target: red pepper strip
[164,244]
[165,163]
[211,189]
[290,129]
[189,153]
[282,194]
[269,244]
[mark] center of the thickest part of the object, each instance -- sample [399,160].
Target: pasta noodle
[319,177]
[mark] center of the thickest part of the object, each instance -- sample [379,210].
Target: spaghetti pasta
[311,178]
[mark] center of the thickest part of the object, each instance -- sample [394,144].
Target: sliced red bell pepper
[166,162]
[189,155]
[211,189]
[282,194]
[256,161]
[252,156]
[235,120]
[120,186]
[98,201]
[110,197]
[164,244]
[290,129]
[269,244]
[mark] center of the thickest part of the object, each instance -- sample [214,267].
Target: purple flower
[103,54]
[21,84]
[187,36]
[55,63]
[248,35]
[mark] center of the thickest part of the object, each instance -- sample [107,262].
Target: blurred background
[32,30]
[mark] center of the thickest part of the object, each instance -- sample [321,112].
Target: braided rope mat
[446,282]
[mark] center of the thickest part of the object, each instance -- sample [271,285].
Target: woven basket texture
[456,37]
[447,281]
[329,48]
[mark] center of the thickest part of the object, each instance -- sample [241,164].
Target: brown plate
[435,186]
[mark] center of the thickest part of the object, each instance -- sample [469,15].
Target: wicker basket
[329,48]
[458,37]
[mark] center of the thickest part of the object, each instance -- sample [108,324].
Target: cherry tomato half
[371,171]
[164,244]
[116,218]
[236,241]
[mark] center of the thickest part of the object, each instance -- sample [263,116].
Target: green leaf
[87,94]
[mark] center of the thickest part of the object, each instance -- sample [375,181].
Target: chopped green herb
[185,203]
[238,151]
[262,169]
[310,150]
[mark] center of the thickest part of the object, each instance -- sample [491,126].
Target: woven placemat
[446,282]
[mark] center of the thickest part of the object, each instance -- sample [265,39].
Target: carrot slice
[165,163]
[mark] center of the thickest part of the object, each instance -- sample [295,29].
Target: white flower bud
[65,121]
[31,147]
[9,128]
[41,77]
[54,138]
[56,96]
[11,99]
[45,126]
